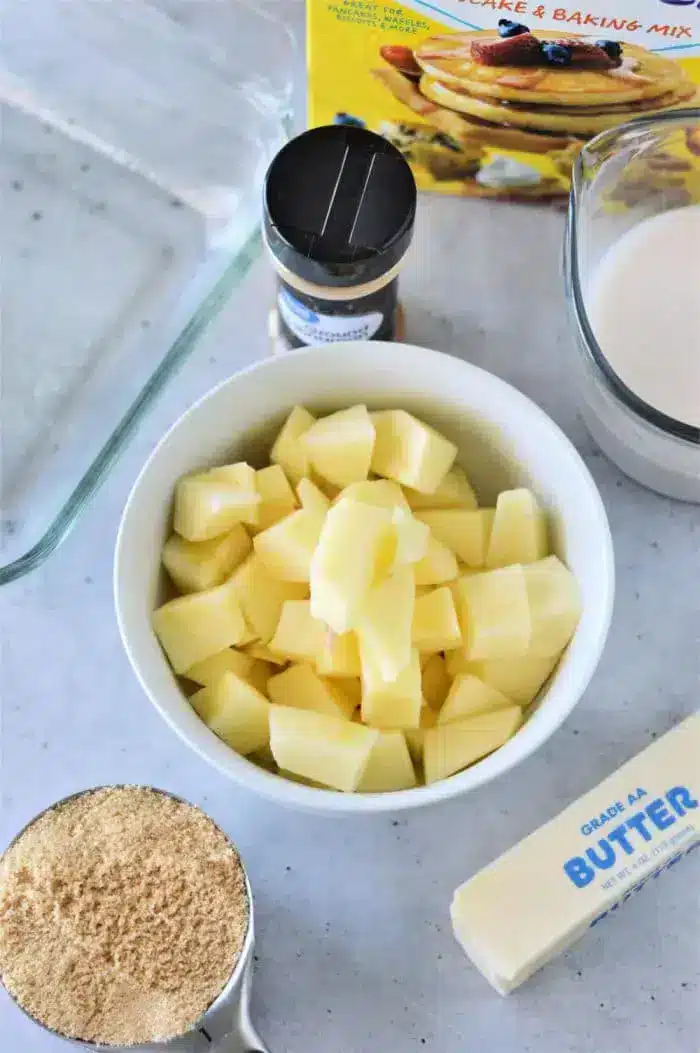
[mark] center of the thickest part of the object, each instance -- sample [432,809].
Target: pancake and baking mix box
[494,98]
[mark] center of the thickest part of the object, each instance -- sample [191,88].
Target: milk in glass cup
[632,270]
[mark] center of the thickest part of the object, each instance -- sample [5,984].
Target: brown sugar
[123,913]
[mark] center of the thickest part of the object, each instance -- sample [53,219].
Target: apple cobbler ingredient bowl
[504,440]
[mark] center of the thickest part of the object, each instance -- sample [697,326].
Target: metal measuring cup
[226,1026]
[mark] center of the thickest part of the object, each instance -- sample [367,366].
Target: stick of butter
[542,895]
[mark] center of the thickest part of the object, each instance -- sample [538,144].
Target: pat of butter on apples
[580,867]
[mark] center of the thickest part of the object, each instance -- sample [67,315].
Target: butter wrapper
[545,893]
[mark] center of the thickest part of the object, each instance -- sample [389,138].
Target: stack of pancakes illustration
[513,90]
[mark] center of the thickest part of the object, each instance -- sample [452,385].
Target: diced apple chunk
[435,624]
[243,478]
[435,681]
[227,661]
[469,696]
[240,475]
[339,447]
[412,538]
[198,565]
[494,614]
[207,506]
[518,678]
[300,687]
[448,748]
[394,704]
[236,712]
[262,653]
[290,776]
[457,661]
[316,746]
[330,490]
[261,596]
[340,656]
[466,533]
[555,605]
[277,498]
[191,628]
[353,542]
[264,759]
[409,451]
[351,686]
[438,565]
[453,492]
[384,626]
[519,532]
[260,674]
[415,737]
[288,451]
[423,590]
[312,498]
[390,766]
[286,549]
[249,638]
[462,572]
[381,492]
[298,636]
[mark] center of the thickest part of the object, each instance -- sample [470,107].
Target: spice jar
[339,209]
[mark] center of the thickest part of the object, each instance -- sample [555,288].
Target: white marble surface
[355,950]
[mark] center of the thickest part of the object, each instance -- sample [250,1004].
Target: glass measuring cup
[226,1026]
[622,177]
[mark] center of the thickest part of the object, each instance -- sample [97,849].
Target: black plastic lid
[339,205]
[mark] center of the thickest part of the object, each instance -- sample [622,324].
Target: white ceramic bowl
[503,438]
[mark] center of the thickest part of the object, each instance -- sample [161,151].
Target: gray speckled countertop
[355,949]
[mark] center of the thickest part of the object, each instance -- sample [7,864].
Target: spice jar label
[314,328]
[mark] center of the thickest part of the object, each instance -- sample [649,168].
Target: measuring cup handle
[243,1038]
[239,1042]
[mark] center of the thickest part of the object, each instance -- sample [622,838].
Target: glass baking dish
[135,138]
